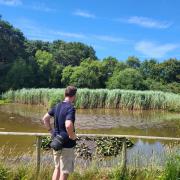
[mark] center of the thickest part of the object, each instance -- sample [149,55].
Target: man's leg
[57,172]
[66,162]
[63,176]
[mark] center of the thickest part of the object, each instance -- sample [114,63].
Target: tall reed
[99,98]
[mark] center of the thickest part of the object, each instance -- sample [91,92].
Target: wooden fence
[124,137]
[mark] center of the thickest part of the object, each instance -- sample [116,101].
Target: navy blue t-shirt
[61,112]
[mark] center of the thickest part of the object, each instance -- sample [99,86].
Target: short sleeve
[70,114]
[52,111]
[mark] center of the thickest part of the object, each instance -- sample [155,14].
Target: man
[64,113]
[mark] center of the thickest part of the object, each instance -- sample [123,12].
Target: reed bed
[99,98]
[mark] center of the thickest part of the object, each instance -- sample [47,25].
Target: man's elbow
[69,125]
[43,120]
[46,119]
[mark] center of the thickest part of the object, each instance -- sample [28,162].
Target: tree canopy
[36,63]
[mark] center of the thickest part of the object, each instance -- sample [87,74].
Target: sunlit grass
[99,98]
[23,166]
[28,172]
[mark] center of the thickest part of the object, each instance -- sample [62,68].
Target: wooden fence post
[123,162]
[38,153]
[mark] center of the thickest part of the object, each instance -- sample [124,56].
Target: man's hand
[51,131]
[70,129]
[73,137]
[46,120]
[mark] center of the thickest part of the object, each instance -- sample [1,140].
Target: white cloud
[33,30]
[35,6]
[84,14]
[11,2]
[99,47]
[151,49]
[109,38]
[147,22]
[41,7]
[68,34]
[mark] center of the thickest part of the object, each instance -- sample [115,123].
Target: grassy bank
[4,101]
[171,171]
[23,167]
[100,98]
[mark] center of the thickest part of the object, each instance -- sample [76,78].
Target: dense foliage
[25,63]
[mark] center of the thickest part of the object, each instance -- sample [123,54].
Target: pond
[26,118]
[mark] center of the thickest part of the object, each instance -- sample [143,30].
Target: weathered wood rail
[123,162]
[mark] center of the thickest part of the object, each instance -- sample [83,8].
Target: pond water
[26,118]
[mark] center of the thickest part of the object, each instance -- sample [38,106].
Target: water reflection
[25,118]
[113,121]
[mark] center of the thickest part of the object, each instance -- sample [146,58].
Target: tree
[20,75]
[87,75]
[83,78]
[152,84]
[66,75]
[133,62]
[120,66]
[56,75]
[173,87]
[32,46]
[126,79]
[150,69]
[71,53]
[108,67]
[49,70]
[11,48]
[170,71]
[11,43]
[43,59]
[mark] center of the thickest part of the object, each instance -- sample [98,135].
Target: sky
[118,28]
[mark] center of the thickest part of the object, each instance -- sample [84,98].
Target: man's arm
[70,129]
[46,120]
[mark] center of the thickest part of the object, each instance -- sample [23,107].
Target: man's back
[61,112]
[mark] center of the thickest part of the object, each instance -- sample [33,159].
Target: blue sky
[118,28]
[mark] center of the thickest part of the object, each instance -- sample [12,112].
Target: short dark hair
[70,91]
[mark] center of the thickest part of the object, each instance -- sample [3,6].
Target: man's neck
[67,99]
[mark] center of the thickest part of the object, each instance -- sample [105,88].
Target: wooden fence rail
[123,162]
[93,135]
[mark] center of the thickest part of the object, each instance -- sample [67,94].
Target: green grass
[172,168]
[4,101]
[28,172]
[99,98]
[21,168]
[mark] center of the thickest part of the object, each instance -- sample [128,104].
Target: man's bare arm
[70,129]
[46,120]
